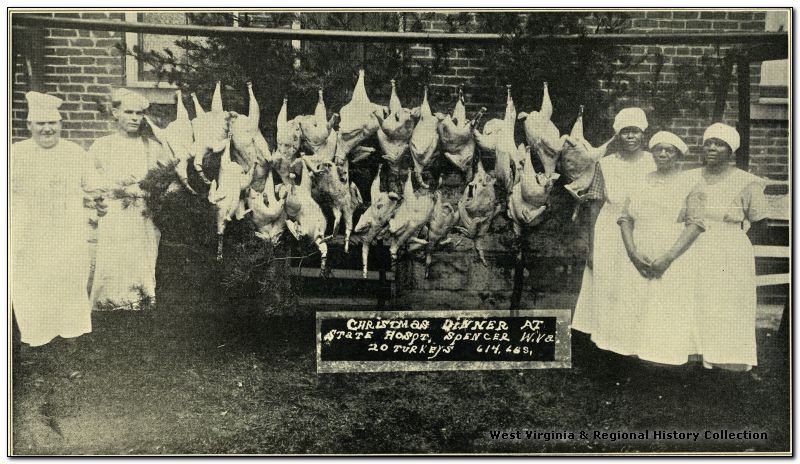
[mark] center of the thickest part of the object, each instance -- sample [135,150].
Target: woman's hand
[660,265]
[641,263]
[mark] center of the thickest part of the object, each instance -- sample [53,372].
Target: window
[773,92]
[139,74]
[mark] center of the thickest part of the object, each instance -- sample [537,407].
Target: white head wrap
[43,107]
[723,132]
[129,97]
[670,139]
[630,117]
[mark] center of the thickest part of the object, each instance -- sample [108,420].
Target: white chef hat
[723,132]
[630,117]
[670,139]
[129,97]
[43,107]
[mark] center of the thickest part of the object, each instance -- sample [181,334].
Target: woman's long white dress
[726,290]
[599,310]
[666,328]
[49,233]
[127,240]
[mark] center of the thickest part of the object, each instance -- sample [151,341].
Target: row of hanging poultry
[312,161]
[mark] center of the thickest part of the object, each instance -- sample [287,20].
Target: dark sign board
[365,341]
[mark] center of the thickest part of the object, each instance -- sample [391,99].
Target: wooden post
[743,89]
[519,273]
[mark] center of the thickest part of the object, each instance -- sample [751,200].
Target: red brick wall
[82,67]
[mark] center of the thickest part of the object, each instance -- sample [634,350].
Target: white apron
[49,249]
[127,241]
[599,311]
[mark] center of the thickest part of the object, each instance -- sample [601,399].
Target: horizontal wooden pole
[779,39]
[773,279]
[768,251]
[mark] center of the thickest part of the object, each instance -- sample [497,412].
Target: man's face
[129,117]
[46,134]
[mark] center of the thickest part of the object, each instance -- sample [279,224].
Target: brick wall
[769,155]
[82,67]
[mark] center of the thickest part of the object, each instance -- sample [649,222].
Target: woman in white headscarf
[658,226]
[726,291]
[127,240]
[599,311]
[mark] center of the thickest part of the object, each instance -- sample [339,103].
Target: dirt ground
[189,378]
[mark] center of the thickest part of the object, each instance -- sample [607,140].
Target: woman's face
[665,156]
[631,139]
[717,152]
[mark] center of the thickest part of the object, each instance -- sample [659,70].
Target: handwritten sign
[364,341]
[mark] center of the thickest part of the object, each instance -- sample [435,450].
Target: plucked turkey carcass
[304,218]
[530,196]
[579,159]
[499,135]
[358,121]
[395,130]
[443,219]
[225,193]
[288,137]
[476,208]
[344,195]
[374,222]
[424,139]
[455,132]
[178,138]
[251,147]
[542,135]
[210,130]
[411,216]
[317,133]
[267,210]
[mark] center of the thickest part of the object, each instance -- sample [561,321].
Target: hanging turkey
[177,136]
[358,122]
[267,210]
[210,131]
[288,137]
[225,193]
[317,133]
[543,136]
[374,222]
[304,216]
[251,147]
[476,208]
[395,130]
[530,195]
[344,195]
[579,159]
[455,132]
[444,218]
[412,214]
[424,139]
[499,135]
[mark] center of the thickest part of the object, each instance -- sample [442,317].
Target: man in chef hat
[49,229]
[127,238]
[128,109]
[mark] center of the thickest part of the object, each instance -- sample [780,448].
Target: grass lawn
[191,378]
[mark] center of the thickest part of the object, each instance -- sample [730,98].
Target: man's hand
[579,196]
[101,206]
